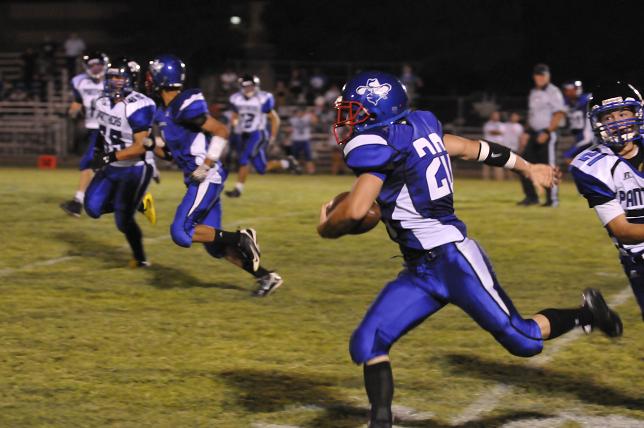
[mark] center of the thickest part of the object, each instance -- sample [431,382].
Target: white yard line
[48,262]
[489,399]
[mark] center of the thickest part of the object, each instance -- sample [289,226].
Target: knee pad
[91,209]
[180,236]
[366,344]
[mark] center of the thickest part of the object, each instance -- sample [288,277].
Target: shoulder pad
[368,152]
[190,104]
[592,172]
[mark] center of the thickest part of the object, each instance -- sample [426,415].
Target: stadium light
[235,20]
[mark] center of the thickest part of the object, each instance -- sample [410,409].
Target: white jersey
[512,135]
[119,122]
[493,131]
[612,187]
[301,127]
[542,104]
[252,111]
[86,91]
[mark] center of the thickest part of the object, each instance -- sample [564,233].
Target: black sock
[227,238]
[259,272]
[135,239]
[379,383]
[564,320]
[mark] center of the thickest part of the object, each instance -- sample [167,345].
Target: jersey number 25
[439,171]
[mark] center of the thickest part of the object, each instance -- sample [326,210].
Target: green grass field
[85,341]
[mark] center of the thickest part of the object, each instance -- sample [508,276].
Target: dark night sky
[458,46]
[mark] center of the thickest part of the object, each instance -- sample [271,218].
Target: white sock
[80,196]
[239,187]
[284,163]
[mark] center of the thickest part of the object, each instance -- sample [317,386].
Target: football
[367,223]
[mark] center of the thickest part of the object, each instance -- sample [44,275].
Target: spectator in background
[281,93]
[317,82]
[301,123]
[74,47]
[29,59]
[412,82]
[513,133]
[47,58]
[331,95]
[228,81]
[494,131]
[296,86]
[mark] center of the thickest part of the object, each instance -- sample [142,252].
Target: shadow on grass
[166,277]
[163,277]
[267,392]
[544,381]
[84,245]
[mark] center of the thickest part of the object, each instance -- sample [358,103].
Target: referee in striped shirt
[546,109]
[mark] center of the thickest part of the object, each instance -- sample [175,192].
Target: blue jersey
[416,199]
[183,138]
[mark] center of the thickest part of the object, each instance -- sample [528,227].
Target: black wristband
[111,157]
[494,154]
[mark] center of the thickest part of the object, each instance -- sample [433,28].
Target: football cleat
[135,264]
[249,249]
[267,284]
[294,165]
[72,207]
[147,208]
[604,318]
[235,193]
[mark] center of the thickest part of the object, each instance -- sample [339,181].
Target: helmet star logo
[156,66]
[375,90]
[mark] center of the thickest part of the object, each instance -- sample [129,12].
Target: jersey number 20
[438,173]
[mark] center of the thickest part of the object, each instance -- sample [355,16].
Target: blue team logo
[374,90]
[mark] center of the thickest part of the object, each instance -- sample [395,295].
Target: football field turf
[85,341]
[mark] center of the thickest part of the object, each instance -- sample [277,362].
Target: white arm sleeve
[215,148]
[608,211]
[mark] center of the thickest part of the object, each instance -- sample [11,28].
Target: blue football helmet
[612,97]
[369,99]
[166,72]
[121,77]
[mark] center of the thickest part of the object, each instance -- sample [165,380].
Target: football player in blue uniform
[86,87]
[611,175]
[577,102]
[195,140]
[122,175]
[402,160]
[251,107]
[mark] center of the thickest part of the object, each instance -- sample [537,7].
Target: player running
[402,160]
[87,87]
[124,119]
[610,175]
[195,140]
[251,107]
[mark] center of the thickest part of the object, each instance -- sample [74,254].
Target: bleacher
[34,127]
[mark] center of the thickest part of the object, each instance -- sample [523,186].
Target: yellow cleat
[148,208]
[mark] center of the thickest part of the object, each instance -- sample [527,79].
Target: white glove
[200,174]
